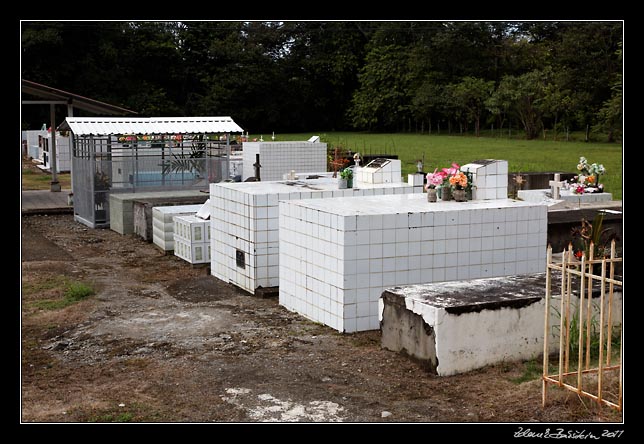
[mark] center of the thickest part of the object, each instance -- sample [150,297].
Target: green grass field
[441,151]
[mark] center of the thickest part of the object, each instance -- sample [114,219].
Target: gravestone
[380,171]
[489,178]
[555,185]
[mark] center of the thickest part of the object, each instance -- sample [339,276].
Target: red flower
[579,254]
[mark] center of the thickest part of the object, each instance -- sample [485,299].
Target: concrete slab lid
[475,165]
[204,211]
[476,294]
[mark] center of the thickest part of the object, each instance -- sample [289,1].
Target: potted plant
[445,187]
[434,180]
[460,183]
[588,179]
[102,184]
[347,176]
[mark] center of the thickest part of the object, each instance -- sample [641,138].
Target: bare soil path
[162,341]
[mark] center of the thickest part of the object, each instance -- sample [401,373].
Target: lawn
[33,178]
[441,151]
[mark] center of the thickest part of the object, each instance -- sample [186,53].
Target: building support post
[54,184]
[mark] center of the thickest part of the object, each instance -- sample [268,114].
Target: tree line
[447,77]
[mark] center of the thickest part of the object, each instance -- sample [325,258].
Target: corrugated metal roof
[76,100]
[85,126]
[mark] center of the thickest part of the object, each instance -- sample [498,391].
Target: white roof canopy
[85,126]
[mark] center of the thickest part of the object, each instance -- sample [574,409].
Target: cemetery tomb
[192,239]
[336,256]
[278,158]
[163,223]
[34,142]
[121,205]
[245,223]
[455,327]
[380,171]
[545,196]
[416,179]
[489,178]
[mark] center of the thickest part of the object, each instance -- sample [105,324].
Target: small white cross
[555,185]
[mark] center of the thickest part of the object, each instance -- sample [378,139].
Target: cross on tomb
[555,185]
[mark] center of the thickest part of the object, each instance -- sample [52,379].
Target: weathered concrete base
[408,333]
[142,212]
[121,217]
[267,292]
[455,327]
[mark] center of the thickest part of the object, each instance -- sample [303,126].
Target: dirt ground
[163,341]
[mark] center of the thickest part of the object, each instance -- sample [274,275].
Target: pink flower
[453,170]
[434,179]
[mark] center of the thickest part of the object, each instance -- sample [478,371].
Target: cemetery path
[162,341]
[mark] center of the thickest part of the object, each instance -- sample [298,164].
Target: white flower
[582,179]
[580,167]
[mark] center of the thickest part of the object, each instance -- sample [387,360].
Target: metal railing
[580,336]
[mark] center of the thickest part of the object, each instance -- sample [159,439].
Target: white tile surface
[245,216]
[365,269]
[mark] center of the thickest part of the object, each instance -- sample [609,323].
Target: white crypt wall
[245,224]
[336,256]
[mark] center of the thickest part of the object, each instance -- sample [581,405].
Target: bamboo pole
[580,347]
[621,368]
[546,329]
[561,319]
[568,293]
[585,372]
[589,304]
[600,373]
[587,394]
[610,301]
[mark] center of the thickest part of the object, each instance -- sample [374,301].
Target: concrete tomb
[336,256]
[245,224]
[163,223]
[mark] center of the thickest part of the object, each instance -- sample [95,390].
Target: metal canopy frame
[54,96]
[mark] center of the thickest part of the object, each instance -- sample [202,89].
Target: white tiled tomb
[279,158]
[567,195]
[163,223]
[245,223]
[338,255]
[489,178]
[380,171]
[192,239]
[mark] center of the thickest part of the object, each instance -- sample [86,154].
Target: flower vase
[446,193]
[350,183]
[431,195]
[459,195]
[342,184]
